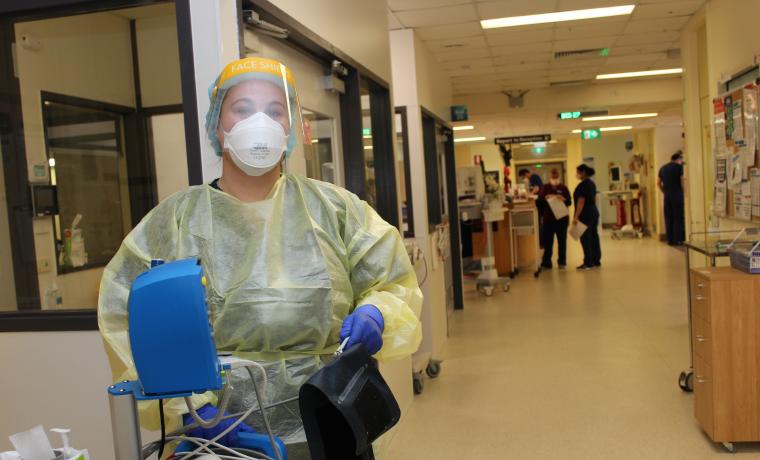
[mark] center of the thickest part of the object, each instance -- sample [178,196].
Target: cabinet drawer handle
[700,338]
[700,297]
[701,379]
[700,285]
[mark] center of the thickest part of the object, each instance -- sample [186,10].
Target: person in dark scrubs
[586,212]
[555,189]
[671,183]
[533,181]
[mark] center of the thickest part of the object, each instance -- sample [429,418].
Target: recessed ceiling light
[463,128]
[470,139]
[559,16]
[643,73]
[621,117]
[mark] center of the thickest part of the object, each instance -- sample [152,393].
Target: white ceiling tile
[521,49]
[522,58]
[646,39]
[465,29]
[509,36]
[459,54]
[583,44]
[570,30]
[634,58]
[468,63]
[502,9]
[404,5]
[451,44]
[393,23]
[667,9]
[572,63]
[438,16]
[656,25]
[568,5]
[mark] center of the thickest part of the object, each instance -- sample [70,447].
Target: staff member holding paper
[587,214]
[556,219]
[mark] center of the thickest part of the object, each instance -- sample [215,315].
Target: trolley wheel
[487,291]
[537,273]
[686,381]
[730,447]
[433,369]
[505,287]
[417,384]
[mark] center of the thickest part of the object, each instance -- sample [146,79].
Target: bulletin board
[737,167]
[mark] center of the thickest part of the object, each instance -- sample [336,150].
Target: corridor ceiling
[529,57]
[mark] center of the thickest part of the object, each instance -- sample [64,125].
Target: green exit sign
[569,115]
[539,150]
[592,133]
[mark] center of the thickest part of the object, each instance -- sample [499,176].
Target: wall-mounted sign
[591,133]
[522,139]
[458,113]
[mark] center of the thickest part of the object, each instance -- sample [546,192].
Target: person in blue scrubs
[532,180]
[671,183]
[586,212]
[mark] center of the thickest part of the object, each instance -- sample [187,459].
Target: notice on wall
[721,168]
[728,105]
[719,122]
[750,121]
[738,115]
[743,202]
[736,171]
[754,180]
[721,198]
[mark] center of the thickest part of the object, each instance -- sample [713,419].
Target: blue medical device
[174,353]
[169,331]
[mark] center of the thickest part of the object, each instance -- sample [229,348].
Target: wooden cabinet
[726,344]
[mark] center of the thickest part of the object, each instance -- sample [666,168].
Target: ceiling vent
[587,53]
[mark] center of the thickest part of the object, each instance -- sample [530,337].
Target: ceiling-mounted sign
[522,139]
[569,115]
[591,133]
[458,113]
[581,114]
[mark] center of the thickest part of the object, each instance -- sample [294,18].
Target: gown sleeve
[155,237]
[382,275]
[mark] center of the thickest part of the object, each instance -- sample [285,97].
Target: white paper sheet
[737,171]
[558,207]
[750,121]
[719,122]
[754,178]
[743,202]
[578,230]
[33,444]
[721,198]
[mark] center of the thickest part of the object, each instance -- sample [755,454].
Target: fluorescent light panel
[559,16]
[621,117]
[470,139]
[463,128]
[612,128]
[643,73]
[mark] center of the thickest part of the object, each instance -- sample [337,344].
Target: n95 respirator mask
[256,144]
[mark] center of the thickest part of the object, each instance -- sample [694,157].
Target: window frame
[29,316]
[401,111]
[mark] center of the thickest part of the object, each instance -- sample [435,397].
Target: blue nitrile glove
[365,325]
[208,412]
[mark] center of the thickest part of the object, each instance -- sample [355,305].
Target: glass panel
[405,186]
[7,281]
[319,148]
[440,146]
[369,154]
[88,168]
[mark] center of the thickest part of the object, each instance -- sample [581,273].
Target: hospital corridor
[583,368]
[379,229]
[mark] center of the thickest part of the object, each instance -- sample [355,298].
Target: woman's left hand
[365,325]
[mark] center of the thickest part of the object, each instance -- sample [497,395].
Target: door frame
[429,145]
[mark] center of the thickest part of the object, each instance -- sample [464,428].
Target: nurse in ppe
[294,265]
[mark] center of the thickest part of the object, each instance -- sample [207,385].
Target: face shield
[255,114]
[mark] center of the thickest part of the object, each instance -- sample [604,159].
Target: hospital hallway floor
[573,365]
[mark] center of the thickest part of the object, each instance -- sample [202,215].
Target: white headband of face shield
[256,144]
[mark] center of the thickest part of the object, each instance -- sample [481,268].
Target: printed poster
[750,120]
[721,198]
[743,202]
[719,120]
[754,180]
[738,115]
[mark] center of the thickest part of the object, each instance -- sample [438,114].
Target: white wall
[57,379]
[158,58]
[433,85]
[606,150]
[170,158]
[359,28]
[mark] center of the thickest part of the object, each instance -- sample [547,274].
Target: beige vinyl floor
[574,365]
